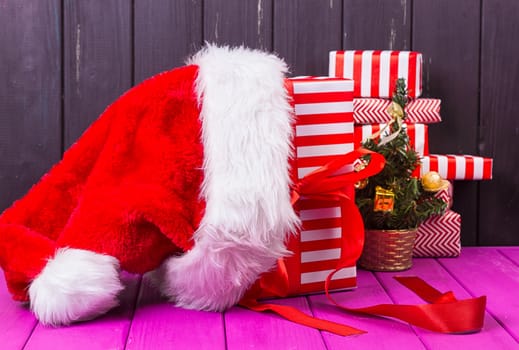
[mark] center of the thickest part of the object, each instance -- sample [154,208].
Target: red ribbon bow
[444,313]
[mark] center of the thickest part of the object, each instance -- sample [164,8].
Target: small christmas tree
[394,199]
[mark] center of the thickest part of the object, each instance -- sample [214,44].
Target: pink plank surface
[511,253]
[107,332]
[16,321]
[493,336]
[248,329]
[158,324]
[382,333]
[488,272]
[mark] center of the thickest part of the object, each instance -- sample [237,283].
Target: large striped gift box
[374,110]
[458,167]
[323,130]
[418,135]
[439,236]
[375,72]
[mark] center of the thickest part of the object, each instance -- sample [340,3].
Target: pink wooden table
[144,321]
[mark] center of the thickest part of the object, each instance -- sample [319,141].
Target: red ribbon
[444,314]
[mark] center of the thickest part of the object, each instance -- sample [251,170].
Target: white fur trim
[215,274]
[75,285]
[247,137]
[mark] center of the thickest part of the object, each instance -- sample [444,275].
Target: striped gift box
[446,195]
[375,72]
[324,120]
[319,248]
[374,110]
[439,236]
[458,167]
[323,130]
[418,135]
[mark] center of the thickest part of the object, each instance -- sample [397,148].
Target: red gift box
[374,110]
[446,194]
[418,135]
[375,72]
[439,236]
[323,130]
[458,167]
[324,121]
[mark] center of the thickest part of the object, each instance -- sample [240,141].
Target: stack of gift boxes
[374,74]
[332,116]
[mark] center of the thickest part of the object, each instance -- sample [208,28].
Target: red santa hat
[186,174]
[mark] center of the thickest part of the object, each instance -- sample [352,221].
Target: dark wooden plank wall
[90,52]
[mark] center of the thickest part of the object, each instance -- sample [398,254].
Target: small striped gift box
[374,110]
[375,72]
[446,194]
[458,167]
[439,236]
[418,135]
[324,129]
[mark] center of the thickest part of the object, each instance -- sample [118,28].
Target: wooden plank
[166,33]
[377,25]
[106,332]
[487,272]
[97,60]
[158,324]
[17,321]
[239,22]
[249,329]
[493,336]
[511,253]
[395,335]
[451,70]
[305,31]
[30,90]
[499,124]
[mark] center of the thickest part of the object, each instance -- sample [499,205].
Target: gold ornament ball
[433,182]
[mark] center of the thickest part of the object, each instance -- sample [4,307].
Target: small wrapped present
[439,236]
[458,167]
[374,110]
[375,72]
[446,194]
[418,135]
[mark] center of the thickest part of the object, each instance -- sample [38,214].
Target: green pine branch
[412,205]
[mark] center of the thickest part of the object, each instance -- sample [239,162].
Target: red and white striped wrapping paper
[374,110]
[439,236]
[319,248]
[418,135]
[323,130]
[458,167]
[375,72]
[447,195]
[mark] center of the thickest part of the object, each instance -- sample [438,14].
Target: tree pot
[388,250]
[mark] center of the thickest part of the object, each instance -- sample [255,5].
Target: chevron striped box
[375,72]
[374,110]
[418,135]
[439,236]
[324,129]
[446,195]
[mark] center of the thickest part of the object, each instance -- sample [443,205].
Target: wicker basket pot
[388,250]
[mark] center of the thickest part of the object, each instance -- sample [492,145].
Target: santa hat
[186,174]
